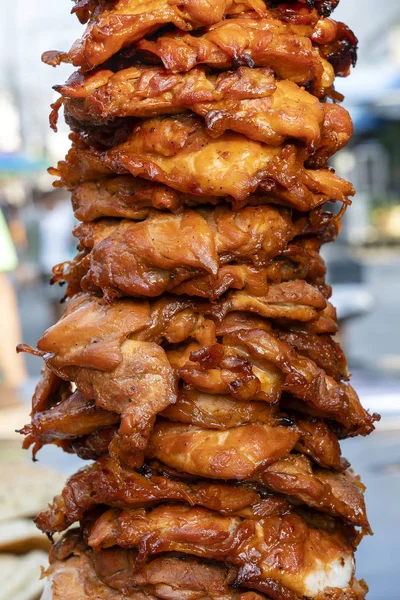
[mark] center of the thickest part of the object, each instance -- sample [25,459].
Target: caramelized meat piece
[337,44]
[92,332]
[254,364]
[297,187]
[71,418]
[177,151]
[131,378]
[324,7]
[248,101]
[164,250]
[106,482]
[117,25]
[49,391]
[218,412]
[235,453]
[126,197]
[243,40]
[339,494]
[310,383]
[79,574]
[95,445]
[337,130]
[315,438]
[223,412]
[322,349]
[280,547]
[93,345]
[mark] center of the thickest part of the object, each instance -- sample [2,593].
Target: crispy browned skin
[127,197]
[56,425]
[248,101]
[340,494]
[285,47]
[165,251]
[324,7]
[105,364]
[236,453]
[93,331]
[218,412]
[106,482]
[295,263]
[80,574]
[321,349]
[201,532]
[252,364]
[129,377]
[72,417]
[114,27]
[303,189]
[118,25]
[230,369]
[244,453]
[338,44]
[113,355]
[176,151]
[49,390]
[84,8]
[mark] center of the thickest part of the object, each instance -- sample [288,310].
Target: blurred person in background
[56,244]
[12,366]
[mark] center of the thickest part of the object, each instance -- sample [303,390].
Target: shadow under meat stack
[195,365]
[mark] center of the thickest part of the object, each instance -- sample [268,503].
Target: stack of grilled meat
[195,364]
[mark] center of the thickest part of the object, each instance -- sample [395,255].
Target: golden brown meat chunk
[254,364]
[117,25]
[107,482]
[112,353]
[297,187]
[130,377]
[280,547]
[212,411]
[56,425]
[338,44]
[126,197]
[176,151]
[252,452]
[165,250]
[246,40]
[92,331]
[339,494]
[72,417]
[76,573]
[132,197]
[248,101]
[49,391]
[322,349]
[236,453]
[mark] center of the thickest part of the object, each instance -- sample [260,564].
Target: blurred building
[26,30]
[372,95]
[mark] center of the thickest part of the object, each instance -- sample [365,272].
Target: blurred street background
[364,265]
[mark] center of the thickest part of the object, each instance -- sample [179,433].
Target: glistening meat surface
[280,546]
[176,151]
[248,101]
